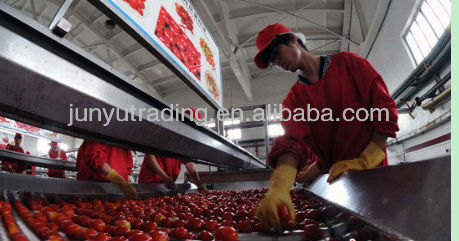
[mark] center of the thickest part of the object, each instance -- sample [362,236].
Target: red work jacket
[53,172]
[92,156]
[350,82]
[170,166]
[18,168]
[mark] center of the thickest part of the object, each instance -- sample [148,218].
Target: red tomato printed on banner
[170,33]
[138,5]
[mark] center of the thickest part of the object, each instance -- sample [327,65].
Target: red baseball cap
[54,144]
[18,135]
[264,39]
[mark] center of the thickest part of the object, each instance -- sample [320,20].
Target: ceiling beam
[300,17]
[271,13]
[131,51]
[108,44]
[170,78]
[363,29]
[252,37]
[222,42]
[149,65]
[346,24]
[378,19]
[310,36]
[238,61]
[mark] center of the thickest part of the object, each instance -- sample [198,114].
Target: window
[43,146]
[275,116]
[64,146]
[425,27]
[231,122]
[210,124]
[275,130]
[234,134]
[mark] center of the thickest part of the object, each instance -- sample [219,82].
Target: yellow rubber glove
[279,192]
[126,188]
[369,158]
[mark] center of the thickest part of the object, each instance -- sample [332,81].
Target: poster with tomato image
[6,138]
[16,126]
[177,31]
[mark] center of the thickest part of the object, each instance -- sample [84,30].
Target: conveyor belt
[404,202]
[21,158]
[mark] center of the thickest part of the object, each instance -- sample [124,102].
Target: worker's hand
[371,157]
[202,188]
[11,169]
[170,183]
[126,188]
[278,193]
[308,174]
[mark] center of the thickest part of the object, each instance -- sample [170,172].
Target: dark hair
[285,39]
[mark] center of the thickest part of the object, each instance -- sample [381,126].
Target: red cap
[18,135]
[54,144]
[264,39]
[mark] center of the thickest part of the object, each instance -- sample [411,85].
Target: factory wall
[389,48]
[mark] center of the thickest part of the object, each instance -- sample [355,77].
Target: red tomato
[225,233]
[241,215]
[179,233]
[102,237]
[311,232]
[228,216]
[246,226]
[53,226]
[205,235]
[158,235]
[119,239]
[313,214]
[148,226]
[123,223]
[20,237]
[137,223]
[178,223]
[89,233]
[195,224]
[229,223]
[260,228]
[121,230]
[141,237]
[284,216]
[211,225]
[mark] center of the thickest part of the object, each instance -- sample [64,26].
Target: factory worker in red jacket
[340,81]
[158,169]
[53,153]
[100,162]
[15,167]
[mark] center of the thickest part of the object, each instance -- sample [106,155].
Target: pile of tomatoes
[217,215]
[10,222]
[170,33]
[207,52]
[185,16]
[138,5]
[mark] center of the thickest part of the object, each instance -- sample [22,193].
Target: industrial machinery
[405,202]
